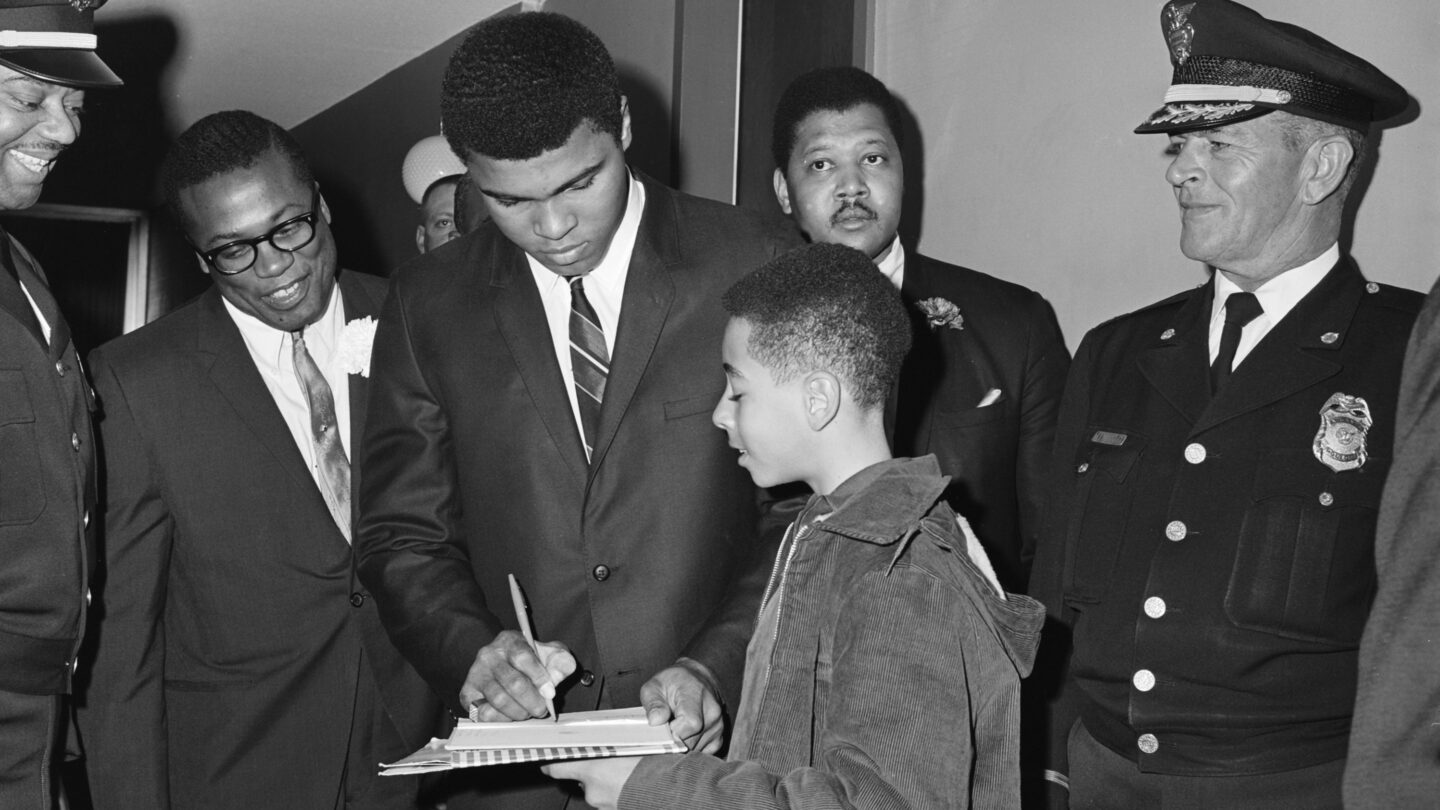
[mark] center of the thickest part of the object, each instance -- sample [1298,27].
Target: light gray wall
[1031,171]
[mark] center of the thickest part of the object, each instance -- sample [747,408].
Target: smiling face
[764,420]
[564,206]
[283,289]
[37,121]
[1239,188]
[845,180]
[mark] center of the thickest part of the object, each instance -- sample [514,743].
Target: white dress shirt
[273,353]
[893,265]
[1277,297]
[604,289]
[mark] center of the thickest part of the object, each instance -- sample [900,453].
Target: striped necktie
[325,436]
[589,363]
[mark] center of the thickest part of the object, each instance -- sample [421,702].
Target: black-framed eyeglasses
[291,235]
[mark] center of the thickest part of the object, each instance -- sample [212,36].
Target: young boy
[885,665]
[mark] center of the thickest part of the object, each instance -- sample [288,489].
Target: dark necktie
[1240,308]
[325,436]
[589,363]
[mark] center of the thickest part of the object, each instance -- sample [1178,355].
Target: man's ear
[624,123]
[420,238]
[822,399]
[1327,162]
[782,191]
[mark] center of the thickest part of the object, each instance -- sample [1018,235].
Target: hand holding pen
[513,677]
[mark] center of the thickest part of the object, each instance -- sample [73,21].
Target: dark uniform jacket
[47,488]
[473,466]
[996,456]
[237,654]
[1215,572]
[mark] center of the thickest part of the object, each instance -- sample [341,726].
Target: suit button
[1144,680]
[75,441]
[1195,452]
[1176,530]
[1326,499]
[601,573]
[1148,744]
[1154,607]
[60,367]
[357,599]
[587,678]
[1083,468]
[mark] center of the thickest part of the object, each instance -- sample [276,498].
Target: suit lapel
[520,317]
[1176,365]
[233,372]
[649,292]
[14,301]
[358,305]
[1292,356]
[922,388]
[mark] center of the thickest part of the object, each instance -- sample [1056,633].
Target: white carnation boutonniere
[356,340]
[940,312]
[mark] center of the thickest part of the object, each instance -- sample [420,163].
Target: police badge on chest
[1344,422]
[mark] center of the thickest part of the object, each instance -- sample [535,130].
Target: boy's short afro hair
[223,142]
[520,84]
[825,307]
[830,89]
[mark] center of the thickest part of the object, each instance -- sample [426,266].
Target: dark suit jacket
[232,634]
[1395,741]
[997,456]
[473,466]
[47,489]
[1202,541]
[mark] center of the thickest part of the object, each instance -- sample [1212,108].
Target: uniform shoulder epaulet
[1392,297]
[1173,302]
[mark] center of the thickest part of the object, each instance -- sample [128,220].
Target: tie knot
[1242,308]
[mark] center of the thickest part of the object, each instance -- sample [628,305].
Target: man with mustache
[47,457]
[1220,454]
[981,386]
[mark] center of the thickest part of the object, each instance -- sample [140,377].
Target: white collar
[608,277]
[1280,294]
[893,265]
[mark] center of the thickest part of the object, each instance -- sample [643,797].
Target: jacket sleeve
[1046,364]
[1050,702]
[411,555]
[122,716]
[1395,738]
[898,726]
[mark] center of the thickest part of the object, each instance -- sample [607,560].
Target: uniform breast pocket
[22,497]
[1305,563]
[1105,469]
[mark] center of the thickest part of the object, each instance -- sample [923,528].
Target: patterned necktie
[325,436]
[589,363]
[1240,308]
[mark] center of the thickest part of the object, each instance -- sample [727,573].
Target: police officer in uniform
[47,458]
[1220,454]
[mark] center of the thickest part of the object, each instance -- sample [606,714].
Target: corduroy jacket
[892,678]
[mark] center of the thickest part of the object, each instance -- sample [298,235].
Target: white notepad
[577,735]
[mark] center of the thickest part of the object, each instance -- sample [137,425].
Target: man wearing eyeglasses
[240,664]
